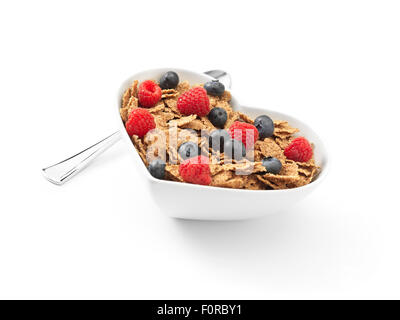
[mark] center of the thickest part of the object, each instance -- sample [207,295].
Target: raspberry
[140,122]
[299,150]
[194,101]
[196,170]
[244,132]
[149,94]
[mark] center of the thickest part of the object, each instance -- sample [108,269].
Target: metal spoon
[62,171]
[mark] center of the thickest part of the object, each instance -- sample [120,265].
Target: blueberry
[157,168]
[169,80]
[234,149]
[273,165]
[214,88]
[188,150]
[218,138]
[218,117]
[265,126]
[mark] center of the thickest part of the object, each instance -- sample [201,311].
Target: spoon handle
[222,76]
[61,172]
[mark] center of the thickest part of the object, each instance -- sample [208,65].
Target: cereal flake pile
[154,111]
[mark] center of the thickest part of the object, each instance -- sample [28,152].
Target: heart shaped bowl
[190,201]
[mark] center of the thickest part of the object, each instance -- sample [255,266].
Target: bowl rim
[324,153]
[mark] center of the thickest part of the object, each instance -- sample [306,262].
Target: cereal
[182,121]
[174,128]
[283,142]
[172,104]
[172,172]
[283,129]
[252,183]
[155,140]
[269,148]
[232,117]
[124,114]
[140,148]
[168,93]
[182,87]
[270,184]
[130,92]
[227,179]
[158,107]
[195,124]
[207,125]
[125,97]
[245,118]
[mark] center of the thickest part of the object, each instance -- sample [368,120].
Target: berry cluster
[234,142]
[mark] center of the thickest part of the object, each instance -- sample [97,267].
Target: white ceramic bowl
[190,201]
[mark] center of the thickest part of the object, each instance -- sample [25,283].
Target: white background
[334,64]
